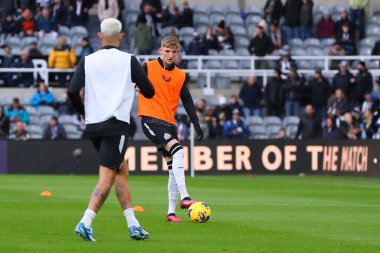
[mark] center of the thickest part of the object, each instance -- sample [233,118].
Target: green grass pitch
[249,214]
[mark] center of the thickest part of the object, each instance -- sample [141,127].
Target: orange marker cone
[46,194]
[138,209]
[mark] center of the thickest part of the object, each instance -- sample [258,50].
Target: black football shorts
[159,132]
[111,150]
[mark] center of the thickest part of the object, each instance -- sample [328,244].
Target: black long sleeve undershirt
[186,99]
[78,81]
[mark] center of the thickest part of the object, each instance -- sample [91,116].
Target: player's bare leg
[123,194]
[98,197]
[172,192]
[176,151]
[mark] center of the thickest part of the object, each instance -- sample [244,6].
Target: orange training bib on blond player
[167,85]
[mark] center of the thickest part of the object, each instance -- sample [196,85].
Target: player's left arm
[188,104]
[76,84]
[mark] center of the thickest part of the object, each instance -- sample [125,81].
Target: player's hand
[137,88]
[199,131]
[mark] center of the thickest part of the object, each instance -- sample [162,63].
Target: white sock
[173,192]
[131,219]
[88,217]
[179,173]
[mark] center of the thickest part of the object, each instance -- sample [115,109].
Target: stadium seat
[26,41]
[317,17]
[45,50]
[16,51]
[74,136]
[258,132]
[272,121]
[227,52]
[273,130]
[253,20]
[320,9]
[64,31]
[217,9]
[291,131]
[312,42]
[13,41]
[373,65]
[364,50]
[234,20]
[328,42]
[200,9]
[186,31]
[298,51]
[242,42]
[201,29]
[255,121]
[46,110]
[313,51]
[31,109]
[296,43]
[367,42]
[36,136]
[67,119]
[374,20]
[213,52]
[35,129]
[79,31]
[233,9]
[70,128]
[45,119]
[34,119]
[373,30]
[47,42]
[213,64]
[317,64]
[187,39]
[216,18]
[338,9]
[335,17]
[290,120]
[238,30]
[253,10]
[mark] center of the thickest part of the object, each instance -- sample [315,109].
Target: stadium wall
[343,157]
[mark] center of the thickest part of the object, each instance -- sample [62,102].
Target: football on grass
[199,212]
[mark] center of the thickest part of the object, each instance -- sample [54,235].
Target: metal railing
[43,71]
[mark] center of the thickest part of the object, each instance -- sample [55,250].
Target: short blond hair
[171,42]
[110,27]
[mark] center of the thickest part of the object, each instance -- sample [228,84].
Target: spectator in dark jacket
[293,89]
[186,19]
[34,53]
[330,131]
[363,84]
[235,104]
[376,48]
[344,19]
[318,93]
[273,11]
[251,95]
[346,39]
[368,127]
[151,20]
[344,79]
[196,46]
[9,26]
[54,131]
[225,36]
[310,125]
[86,48]
[337,104]
[210,40]
[171,15]
[46,24]
[306,18]
[59,13]
[274,93]
[325,27]
[286,63]
[24,79]
[292,12]
[7,61]
[4,124]
[260,44]
[78,12]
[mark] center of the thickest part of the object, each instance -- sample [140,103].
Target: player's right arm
[140,78]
